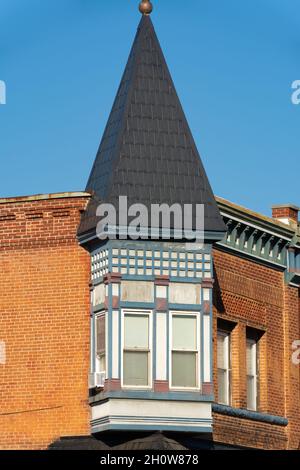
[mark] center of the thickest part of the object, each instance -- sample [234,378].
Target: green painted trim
[257,259]
[247,414]
[263,224]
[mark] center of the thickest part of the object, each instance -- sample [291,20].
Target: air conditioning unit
[97,379]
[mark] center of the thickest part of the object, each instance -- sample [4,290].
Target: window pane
[251,357]
[184,369]
[251,398]
[222,353]
[100,363]
[222,387]
[184,332]
[223,360]
[135,368]
[251,375]
[100,327]
[136,332]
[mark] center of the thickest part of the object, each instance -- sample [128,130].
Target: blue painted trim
[109,322]
[150,395]
[109,248]
[138,305]
[247,414]
[152,427]
[185,307]
[184,280]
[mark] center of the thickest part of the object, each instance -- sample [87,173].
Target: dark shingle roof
[130,441]
[119,441]
[147,152]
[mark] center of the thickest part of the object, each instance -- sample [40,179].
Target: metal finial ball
[146,7]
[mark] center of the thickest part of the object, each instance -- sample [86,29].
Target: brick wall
[252,295]
[44,322]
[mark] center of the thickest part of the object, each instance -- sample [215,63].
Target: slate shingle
[147,150]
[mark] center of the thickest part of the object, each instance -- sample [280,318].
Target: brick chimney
[286,213]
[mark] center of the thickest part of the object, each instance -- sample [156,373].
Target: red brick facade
[44,322]
[251,295]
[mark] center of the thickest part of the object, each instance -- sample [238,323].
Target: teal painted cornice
[247,414]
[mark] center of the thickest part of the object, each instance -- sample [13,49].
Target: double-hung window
[252,374]
[185,351]
[137,350]
[224,368]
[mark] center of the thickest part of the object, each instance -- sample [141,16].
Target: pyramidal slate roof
[147,152]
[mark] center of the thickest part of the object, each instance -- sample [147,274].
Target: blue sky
[233,63]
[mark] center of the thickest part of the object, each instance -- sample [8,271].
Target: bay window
[137,350]
[185,351]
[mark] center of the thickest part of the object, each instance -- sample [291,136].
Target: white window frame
[227,345]
[97,360]
[254,359]
[198,349]
[143,313]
